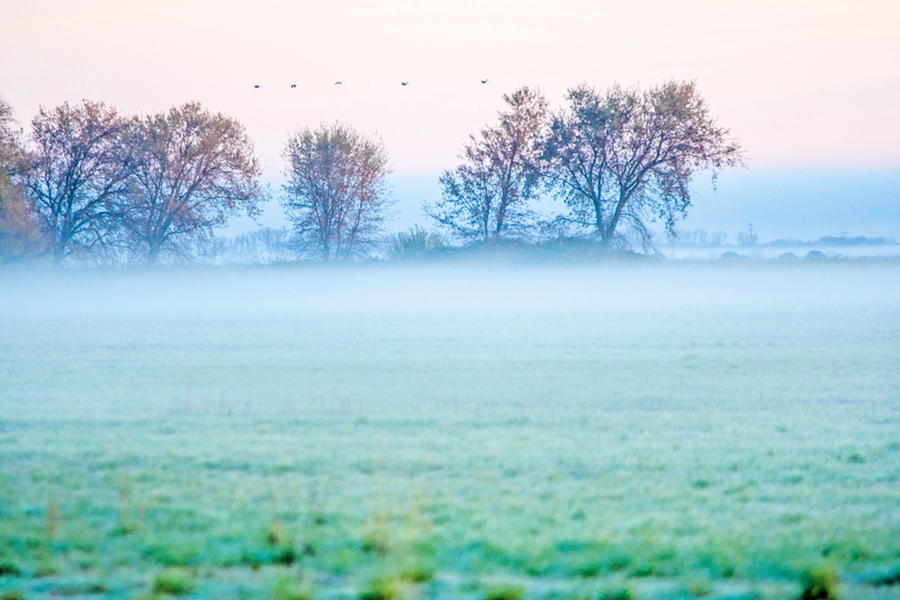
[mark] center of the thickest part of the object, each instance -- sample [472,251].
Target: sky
[809,88]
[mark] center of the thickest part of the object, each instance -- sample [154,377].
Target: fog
[458,288]
[532,403]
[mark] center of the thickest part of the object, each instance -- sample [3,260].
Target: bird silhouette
[484,81]
[293,85]
[404,83]
[337,83]
[255,87]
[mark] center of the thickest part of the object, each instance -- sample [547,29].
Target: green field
[652,431]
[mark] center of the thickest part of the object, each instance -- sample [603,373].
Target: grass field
[645,431]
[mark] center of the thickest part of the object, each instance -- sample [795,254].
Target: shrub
[177,582]
[416,243]
[12,595]
[819,583]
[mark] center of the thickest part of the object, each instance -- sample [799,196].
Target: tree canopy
[88,184]
[337,191]
[79,164]
[20,234]
[485,198]
[190,171]
[628,155]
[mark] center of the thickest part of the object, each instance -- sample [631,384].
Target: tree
[486,197]
[627,155]
[79,165]
[20,234]
[190,171]
[337,194]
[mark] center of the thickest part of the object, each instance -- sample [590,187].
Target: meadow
[659,430]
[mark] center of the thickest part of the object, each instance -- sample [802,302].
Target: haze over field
[464,288]
[655,430]
[498,405]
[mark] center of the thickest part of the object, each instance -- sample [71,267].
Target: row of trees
[88,181]
[620,156]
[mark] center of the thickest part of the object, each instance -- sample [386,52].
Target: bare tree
[20,234]
[191,170]
[626,155]
[78,167]
[486,197]
[337,194]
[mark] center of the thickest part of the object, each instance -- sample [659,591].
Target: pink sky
[800,83]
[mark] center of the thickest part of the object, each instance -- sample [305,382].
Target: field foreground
[652,431]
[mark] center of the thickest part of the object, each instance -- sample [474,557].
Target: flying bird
[484,81]
[255,87]
[337,83]
[404,83]
[293,85]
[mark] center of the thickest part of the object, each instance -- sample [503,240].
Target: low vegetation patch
[417,571]
[9,569]
[287,588]
[174,581]
[508,592]
[892,577]
[819,583]
[381,588]
[617,593]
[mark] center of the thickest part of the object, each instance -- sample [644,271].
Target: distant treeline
[830,240]
[86,184]
[706,239]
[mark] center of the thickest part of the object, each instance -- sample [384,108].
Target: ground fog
[659,430]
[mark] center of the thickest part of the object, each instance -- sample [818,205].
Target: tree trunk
[58,255]
[153,255]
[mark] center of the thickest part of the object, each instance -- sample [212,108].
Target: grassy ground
[663,449]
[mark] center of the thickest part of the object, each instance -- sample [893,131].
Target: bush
[176,582]
[416,243]
[12,595]
[819,583]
